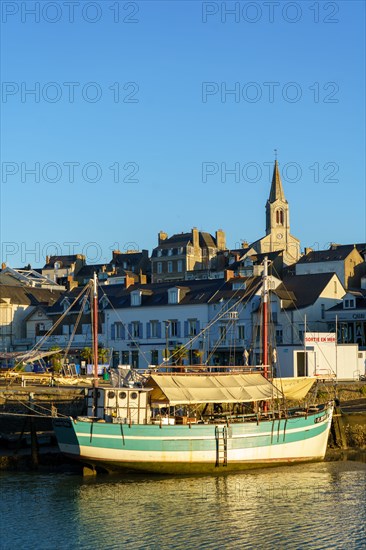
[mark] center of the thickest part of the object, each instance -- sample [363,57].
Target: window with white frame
[136,298]
[192,327]
[349,304]
[154,329]
[173,328]
[241,332]
[135,329]
[180,266]
[118,327]
[159,267]
[170,267]
[173,295]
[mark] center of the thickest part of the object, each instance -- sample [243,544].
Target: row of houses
[215,319]
[192,291]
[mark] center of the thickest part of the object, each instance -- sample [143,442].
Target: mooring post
[339,429]
[34,442]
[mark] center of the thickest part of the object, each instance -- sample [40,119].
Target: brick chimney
[3,265]
[129,281]
[195,237]
[228,274]
[162,236]
[220,239]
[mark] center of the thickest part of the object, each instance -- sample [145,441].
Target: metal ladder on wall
[221,445]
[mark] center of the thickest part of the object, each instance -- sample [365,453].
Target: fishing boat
[189,422]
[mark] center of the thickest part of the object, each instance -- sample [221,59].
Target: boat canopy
[294,388]
[170,389]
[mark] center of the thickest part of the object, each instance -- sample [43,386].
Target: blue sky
[149,101]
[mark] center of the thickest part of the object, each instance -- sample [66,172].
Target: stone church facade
[278,236]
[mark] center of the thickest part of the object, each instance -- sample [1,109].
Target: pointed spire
[276,187]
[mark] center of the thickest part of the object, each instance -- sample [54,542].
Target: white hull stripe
[288,432]
[307,449]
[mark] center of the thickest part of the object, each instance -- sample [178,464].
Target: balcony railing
[230,316]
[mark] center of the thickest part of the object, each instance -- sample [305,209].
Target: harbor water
[321,505]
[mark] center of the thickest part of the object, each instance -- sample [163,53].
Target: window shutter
[178,329]
[141,330]
[130,331]
[159,330]
[148,330]
[197,327]
[186,328]
[113,331]
[123,331]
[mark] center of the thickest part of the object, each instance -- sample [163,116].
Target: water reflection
[310,506]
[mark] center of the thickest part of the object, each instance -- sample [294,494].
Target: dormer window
[159,253]
[173,296]
[136,298]
[65,304]
[87,306]
[170,252]
[349,303]
[239,285]
[180,250]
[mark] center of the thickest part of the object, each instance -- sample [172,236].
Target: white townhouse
[212,318]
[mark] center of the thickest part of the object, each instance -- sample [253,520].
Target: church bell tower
[277,211]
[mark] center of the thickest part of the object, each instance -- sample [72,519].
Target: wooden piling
[339,429]
[33,432]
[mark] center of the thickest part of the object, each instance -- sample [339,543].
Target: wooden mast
[265,319]
[95,343]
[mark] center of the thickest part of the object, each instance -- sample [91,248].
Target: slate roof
[360,297]
[258,259]
[89,270]
[156,294]
[302,290]
[192,292]
[182,240]
[64,261]
[25,295]
[276,192]
[206,240]
[134,260]
[331,255]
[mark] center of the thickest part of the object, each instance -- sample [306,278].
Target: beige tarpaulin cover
[294,388]
[224,388]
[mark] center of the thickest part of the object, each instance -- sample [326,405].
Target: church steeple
[278,237]
[276,187]
[277,211]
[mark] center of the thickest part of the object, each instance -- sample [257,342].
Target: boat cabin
[122,405]
[180,399]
